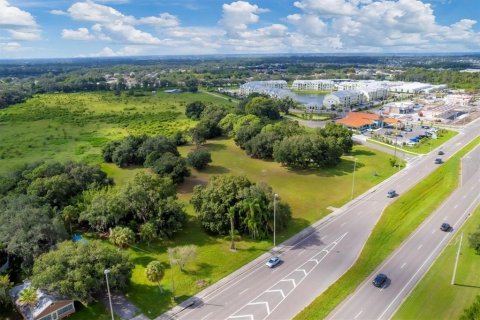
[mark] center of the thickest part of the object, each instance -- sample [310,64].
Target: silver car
[273,261]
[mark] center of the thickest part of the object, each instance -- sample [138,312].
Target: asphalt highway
[313,263]
[406,266]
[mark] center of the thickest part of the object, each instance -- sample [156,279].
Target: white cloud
[19,23]
[163,20]
[80,34]
[238,15]
[328,7]
[11,46]
[58,12]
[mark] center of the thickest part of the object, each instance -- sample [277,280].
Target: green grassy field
[304,191]
[396,224]
[76,126]
[315,117]
[434,297]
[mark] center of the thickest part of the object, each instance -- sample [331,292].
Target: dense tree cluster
[235,201]
[147,199]
[75,270]
[194,110]
[199,158]
[159,152]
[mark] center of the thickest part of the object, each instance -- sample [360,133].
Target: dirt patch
[187,186]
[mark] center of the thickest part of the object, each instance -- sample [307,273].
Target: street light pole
[456,260]
[274,217]
[353,179]
[106,272]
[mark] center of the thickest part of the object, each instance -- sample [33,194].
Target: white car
[273,261]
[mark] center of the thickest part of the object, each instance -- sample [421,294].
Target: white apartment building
[321,85]
[262,86]
[343,98]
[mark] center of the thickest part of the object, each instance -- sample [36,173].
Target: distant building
[362,121]
[346,99]
[173,91]
[416,87]
[47,307]
[273,88]
[320,85]
[399,107]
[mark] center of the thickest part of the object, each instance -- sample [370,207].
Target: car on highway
[379,280]
[438,161]
[273,261]
[445,227]
[391,194]
[441,153]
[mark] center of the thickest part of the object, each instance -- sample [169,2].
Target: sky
[111,28]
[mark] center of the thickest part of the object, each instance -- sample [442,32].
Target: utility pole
[274,217]
[106,272]
[353,178]
[456,260]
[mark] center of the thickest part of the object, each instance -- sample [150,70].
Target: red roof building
[361,120]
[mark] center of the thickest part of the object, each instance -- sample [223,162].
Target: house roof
[360,119]
[45,302]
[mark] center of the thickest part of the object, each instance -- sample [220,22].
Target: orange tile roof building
[361,120]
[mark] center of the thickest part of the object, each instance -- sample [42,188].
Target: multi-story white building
[262,86]
[343,98]
[321,85]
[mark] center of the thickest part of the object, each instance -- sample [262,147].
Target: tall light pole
[353,178]
[456,259]
[106,272]
[274,217]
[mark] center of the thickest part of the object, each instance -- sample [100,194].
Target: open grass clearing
[434,297]
[398,221]
[76,126]
[304,190]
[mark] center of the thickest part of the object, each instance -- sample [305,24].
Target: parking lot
[402,137]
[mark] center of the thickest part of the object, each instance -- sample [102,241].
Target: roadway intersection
[311,264]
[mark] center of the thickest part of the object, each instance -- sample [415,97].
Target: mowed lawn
[434,297]
[308,192]
[397,222]
[76,126]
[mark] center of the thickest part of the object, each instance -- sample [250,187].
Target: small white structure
[320,85]
[344,98]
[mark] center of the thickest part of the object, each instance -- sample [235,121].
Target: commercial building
[362,121]
[399,107]
[320,85]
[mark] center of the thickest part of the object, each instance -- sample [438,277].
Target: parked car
[391,194]
[441,153]
[273,261]
[379,280]
[438,161]
[445,227]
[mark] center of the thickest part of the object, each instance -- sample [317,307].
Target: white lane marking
[465,197]
[433,231]
[420,247]
[472,188]
[242,292]
[262,302]
[301,252]
[343,224]
[249,316]
[455,207]
[358,314]
[445,218]
[206,317]
[403,265]
[323,237]
[278,290]
[321,255]
[302,270]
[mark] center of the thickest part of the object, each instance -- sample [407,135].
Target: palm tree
[28,297]
[155,272]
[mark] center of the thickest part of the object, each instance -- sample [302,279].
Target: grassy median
[434,297]
[398,221]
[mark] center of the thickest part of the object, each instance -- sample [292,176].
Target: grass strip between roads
[434,297]
[398,221]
